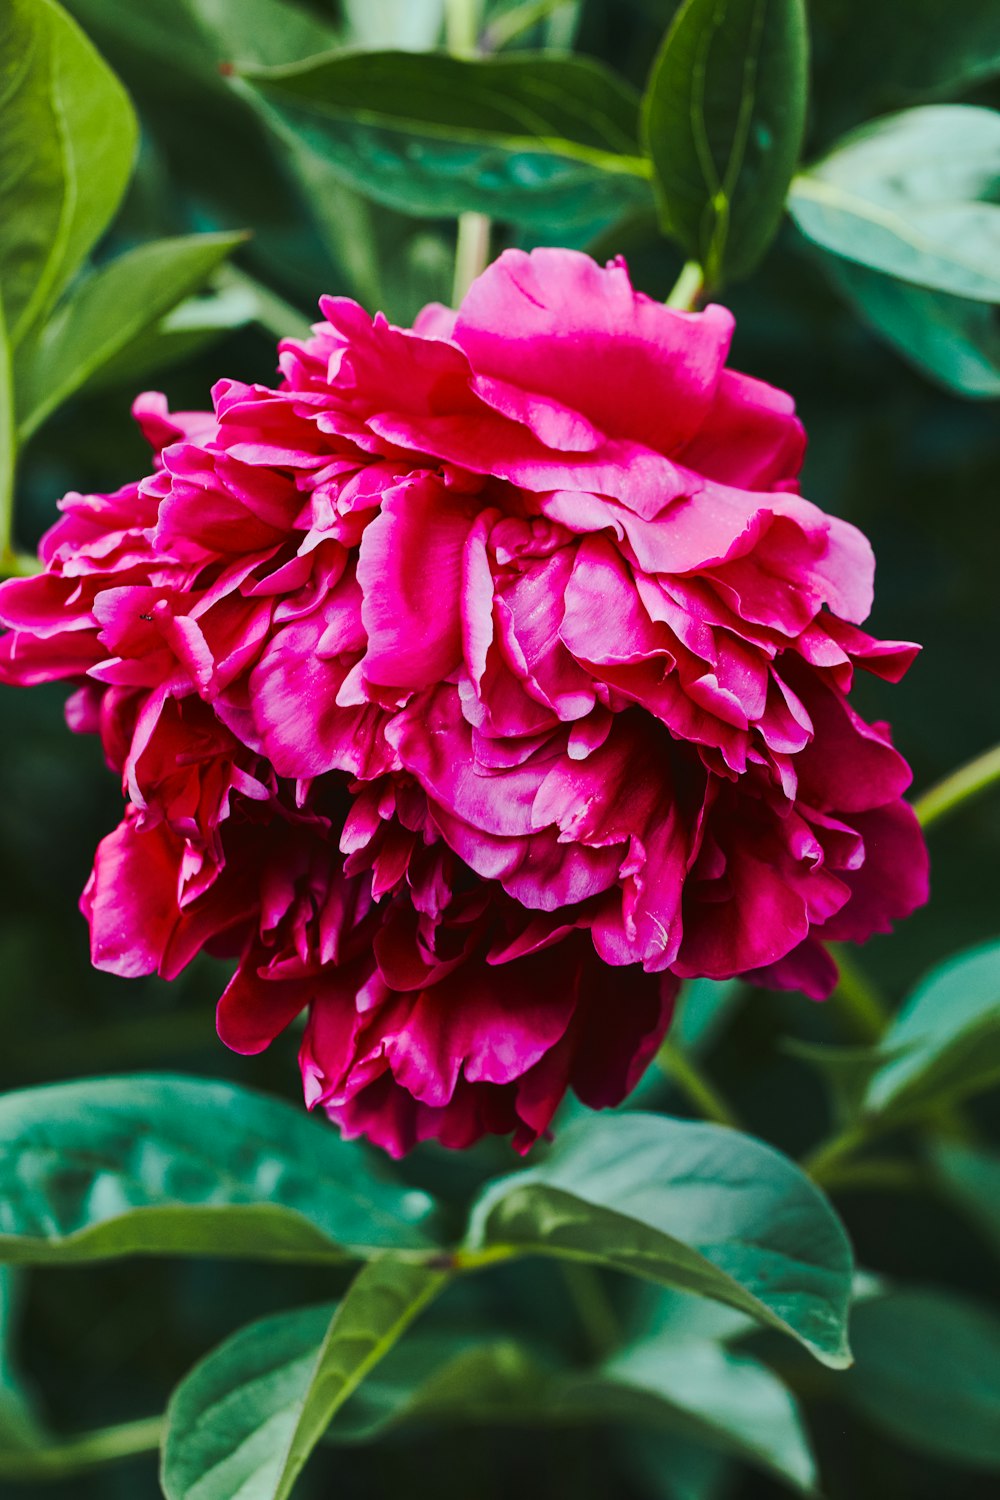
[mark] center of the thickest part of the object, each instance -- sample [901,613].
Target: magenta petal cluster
[472,688]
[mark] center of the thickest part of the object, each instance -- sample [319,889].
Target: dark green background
[915,467]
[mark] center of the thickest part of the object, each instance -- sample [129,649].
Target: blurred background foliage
[890,448]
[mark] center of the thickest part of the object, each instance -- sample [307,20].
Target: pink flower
[440,1012]
[469,665]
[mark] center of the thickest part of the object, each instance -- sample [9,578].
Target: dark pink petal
[410,574]
[555,323]
[750,436]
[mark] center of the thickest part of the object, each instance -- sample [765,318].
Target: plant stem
[858,998]
[593,1307]
[960,787]
[8,453]
[461,26]
[688,287]
[822,1163]
[877,1172]
[19,565]
[478,1260]
[681,1068]
[472,249]
[472,253]
[83,1452]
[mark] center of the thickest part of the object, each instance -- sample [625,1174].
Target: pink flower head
[471,665]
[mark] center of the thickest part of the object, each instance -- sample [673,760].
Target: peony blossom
[470,689]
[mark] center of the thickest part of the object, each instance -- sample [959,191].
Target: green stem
[8,453]
[472,253]
[681,1068]
[822,1164]
[597,1316]
[462,20]
[960,787]
[478,1260]
[877,1172]
[85,1452]
[19,565]
[688,288]
[857,998]
[461,26]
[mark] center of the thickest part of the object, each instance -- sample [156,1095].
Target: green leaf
[113,309]
[67,142]
[705,1392]
[972,1178]
[694,1206]
[909,195]
[952,340]
[198,35]
[246,1419]
[182,1166]
[444,1377]
[944,1044]
[688,1387]
[723,119]
[523,138]
[928,1374]
[238,1404]
[191,326]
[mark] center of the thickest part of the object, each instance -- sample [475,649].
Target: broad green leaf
[443,1377]
[654,1310]
[972,1178]
[523,138]
[234,301]
[665,1382]
[67,141]
[198,35]
[723,119]
[928,1373]
[952,340]
[944,1044]
[167,1165]
[113,308]
[246,1419]
[695,1389]
[911,195]
[190,327]
[702,1391]
[691,1205]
